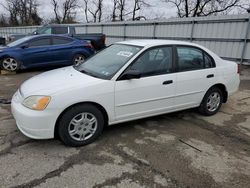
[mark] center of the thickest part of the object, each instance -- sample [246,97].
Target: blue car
[44,50]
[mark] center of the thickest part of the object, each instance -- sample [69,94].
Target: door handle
[167,82]
[210,76]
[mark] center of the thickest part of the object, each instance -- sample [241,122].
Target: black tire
[205,108]
[75,63]
[65,124]
[15,64]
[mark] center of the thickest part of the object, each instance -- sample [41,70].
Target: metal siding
[247,52]
[80,29]
[94,29]
[134,30]
[113,30]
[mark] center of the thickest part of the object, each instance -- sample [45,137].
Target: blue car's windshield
[19,41]
[108,62]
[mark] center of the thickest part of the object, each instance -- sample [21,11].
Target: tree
[138,4]
[96,10]
[64,13]
[121,8]
[195,8]
[114,16]
[3,21]
[22,12]
[86,3]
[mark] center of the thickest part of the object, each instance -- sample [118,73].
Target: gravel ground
[182,149]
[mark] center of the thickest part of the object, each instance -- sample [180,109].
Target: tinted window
[59,41]
[154,62]
[208,61]
[40,42]
[60,30]
[189,58]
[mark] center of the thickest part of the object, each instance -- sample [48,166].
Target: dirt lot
[182,149]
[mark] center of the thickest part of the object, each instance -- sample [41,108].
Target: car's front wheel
[211,102]
[81,125]
[10,64]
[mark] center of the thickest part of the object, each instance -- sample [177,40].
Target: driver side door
[151,94]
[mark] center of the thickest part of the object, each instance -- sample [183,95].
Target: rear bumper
[233,84]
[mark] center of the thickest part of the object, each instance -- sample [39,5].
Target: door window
[60,41]
[208,61]
[40,42]
[155,61]
[189,58]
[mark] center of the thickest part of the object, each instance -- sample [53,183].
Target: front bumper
[33,124]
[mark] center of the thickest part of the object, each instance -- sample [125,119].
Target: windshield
[19,41]
[108,62]
[44,30]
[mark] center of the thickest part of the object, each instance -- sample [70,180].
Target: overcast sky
[157,9]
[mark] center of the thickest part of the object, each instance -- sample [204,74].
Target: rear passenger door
[195,74]
[62,50]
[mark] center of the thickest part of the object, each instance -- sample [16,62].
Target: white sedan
[128,80]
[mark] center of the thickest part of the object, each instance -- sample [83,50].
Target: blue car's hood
[5,48]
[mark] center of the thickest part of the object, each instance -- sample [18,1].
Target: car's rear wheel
[78,59]
[10,64]
[211,102]
[81,125]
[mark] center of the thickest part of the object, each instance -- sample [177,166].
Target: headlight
[36,102]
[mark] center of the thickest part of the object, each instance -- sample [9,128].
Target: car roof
[47,35]
[155,42]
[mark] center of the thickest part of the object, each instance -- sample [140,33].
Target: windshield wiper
[88,73]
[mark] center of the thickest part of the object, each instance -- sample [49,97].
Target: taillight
[238,68]
[88,46]
[103,39]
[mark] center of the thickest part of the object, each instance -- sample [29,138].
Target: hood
[54,81]
[2,48]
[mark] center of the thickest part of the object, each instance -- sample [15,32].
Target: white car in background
[128,80]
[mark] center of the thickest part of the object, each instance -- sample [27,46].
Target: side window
[47,31]
[156,54]
[189,58]
[208,61]
[60,30]
[40,42]
[60,41]
[154,62]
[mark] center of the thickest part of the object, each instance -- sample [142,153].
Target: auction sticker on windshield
[125,54]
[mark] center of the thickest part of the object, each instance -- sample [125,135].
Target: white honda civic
[128,80]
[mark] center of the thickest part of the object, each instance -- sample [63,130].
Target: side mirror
[35,33]
[130,74]
[25,45]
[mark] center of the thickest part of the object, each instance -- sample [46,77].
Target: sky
[158,9]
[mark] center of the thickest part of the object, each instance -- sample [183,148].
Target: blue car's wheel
[10,64]
[78,59]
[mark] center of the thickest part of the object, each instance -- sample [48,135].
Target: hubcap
[78,60]
[82,126]
[213,101]
[10,64]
